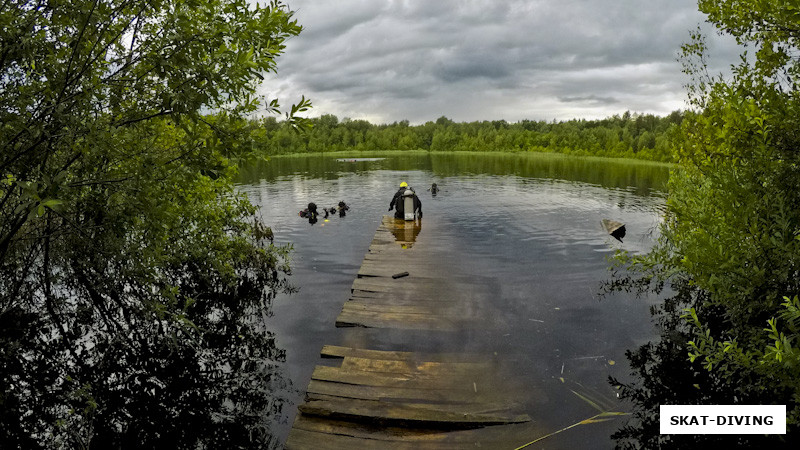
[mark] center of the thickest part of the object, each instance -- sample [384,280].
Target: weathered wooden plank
[415,270]
[398,258]
[382,243]
[480,407]
[403,415]
[418,368]
[348,320]
[335,351]
[379,290]
[363,431]
[388,313]
[374,295]
[340,352]
[502,436]
[387,270]
[407,284]
[431,282]
[377,319]
[459,307]
[417,308]
[439,321]
[335,374]
[376,285]
[412,395]
[399,287]
[434,303]
[383,298]
[395,252]
[418,286]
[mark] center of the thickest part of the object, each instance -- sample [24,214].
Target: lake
[527,226]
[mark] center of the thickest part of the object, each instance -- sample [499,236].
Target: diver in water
[343,208]
[310,213]
[397,202]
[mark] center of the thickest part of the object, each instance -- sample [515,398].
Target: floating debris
[614,228]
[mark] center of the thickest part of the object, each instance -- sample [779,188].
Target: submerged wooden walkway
[365,398]
[426,296]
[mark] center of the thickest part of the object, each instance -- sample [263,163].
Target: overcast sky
[389,60]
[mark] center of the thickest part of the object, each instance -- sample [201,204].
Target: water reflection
[405,231]
[641,177]
[526,229]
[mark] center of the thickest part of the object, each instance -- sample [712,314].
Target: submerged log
[614,228]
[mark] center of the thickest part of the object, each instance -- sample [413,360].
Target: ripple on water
[536,243]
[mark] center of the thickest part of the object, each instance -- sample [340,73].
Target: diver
[310,213]
[342,208]
[398,203]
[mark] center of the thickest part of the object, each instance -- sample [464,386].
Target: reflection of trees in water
[94,359]
[644,179]
[664,375]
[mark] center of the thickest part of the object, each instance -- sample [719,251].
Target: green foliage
[631,136]
[730,245]
[133,279]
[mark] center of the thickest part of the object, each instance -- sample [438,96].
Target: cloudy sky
[390,60]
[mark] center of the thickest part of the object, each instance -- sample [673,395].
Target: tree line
[642,136]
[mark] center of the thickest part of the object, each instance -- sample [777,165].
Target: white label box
[723,419]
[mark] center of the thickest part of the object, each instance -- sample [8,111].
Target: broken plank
[502,436]
[404,415]
[341,352]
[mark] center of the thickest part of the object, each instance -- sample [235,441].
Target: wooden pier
[365,398]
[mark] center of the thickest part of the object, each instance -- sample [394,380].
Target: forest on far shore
[641,136]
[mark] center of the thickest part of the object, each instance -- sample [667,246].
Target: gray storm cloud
[483,60]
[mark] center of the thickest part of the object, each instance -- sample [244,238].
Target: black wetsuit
[398,204]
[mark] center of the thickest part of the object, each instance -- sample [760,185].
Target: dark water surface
[526,226]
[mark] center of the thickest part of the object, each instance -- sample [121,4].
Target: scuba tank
[408,204]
